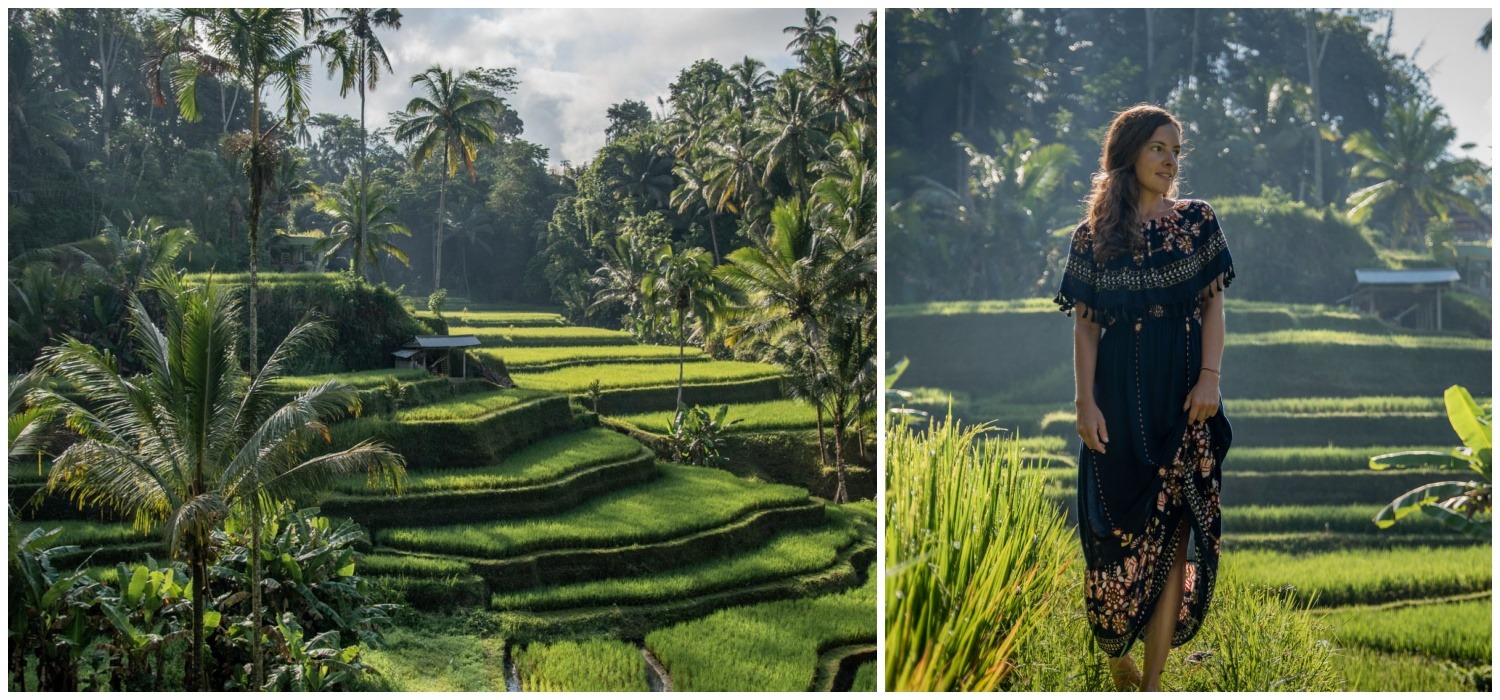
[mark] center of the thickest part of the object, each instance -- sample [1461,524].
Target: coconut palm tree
[814,27]
[798,279]
[683,286]
[620,281]
[357,54]
[194,437]
[452,120]
[1415,174]
[260,48]
[795,135]
[365,226]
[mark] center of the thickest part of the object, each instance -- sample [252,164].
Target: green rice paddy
[786,414]
[535,336]
[469,407]
[543,461]
[594,665]
[522,358]
[576,380]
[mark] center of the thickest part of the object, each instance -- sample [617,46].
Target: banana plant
[1462,505]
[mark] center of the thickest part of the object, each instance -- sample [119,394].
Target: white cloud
[574,64]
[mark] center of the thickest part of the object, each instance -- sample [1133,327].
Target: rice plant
[368,379]
[84,533]
[767,647]
[1353,518]
[403,565]
[1348,338]
[974,557]
[786,414]
[864,678]
[430,656]
[555,356]
[787,554]
[1370,670]
[469,406]
[506,318]
[1309,459]
[683,500]
[537,336]
[1331,579]
[575,380]
[543,461]
[1252,640]
[1459,631]
[594,665]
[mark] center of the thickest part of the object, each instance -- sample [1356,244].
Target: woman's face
[1156,165]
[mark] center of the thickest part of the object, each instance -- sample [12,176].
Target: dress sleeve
[1080,278]
[1218,266]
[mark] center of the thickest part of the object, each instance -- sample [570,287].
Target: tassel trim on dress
[1068,301]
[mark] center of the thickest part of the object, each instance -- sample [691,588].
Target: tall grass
[594,665]
[768,647]
[1347,338]
[469,406]
[429,655]
[974,557]
[1354,518]
[368,379]
[682,501]
[1370,670]
[1460,631]
[537,336]
[505,318]
[1367,576]
[786,414]
[787,554]
[543,357]
[84,533]
[543,461]
[864,678]
[1252,640]
[574,380]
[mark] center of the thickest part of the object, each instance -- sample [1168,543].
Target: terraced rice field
[784,414]
[1313,393]
[536,549]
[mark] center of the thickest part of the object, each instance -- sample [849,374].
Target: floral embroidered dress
[1157,469]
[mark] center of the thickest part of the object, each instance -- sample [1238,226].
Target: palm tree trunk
[842,494]
[364,168]
[256,194]
[257,652]
[713,234]
[437,260]
[681,360]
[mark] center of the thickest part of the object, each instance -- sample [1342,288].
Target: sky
[1442,42]
[573,64]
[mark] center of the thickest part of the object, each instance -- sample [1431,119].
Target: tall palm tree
[620,281]
[1415,174]
[194,437]
[452,121]
[683,285]
[797,280]
[795,137]
[359,57]
[748,81]
[260,48]
[365,226]
[814,27]
[695,194]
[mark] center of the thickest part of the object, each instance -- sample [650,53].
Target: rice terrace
[417,402]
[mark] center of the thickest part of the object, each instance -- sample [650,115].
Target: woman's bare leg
[1124,673]
[1163,623]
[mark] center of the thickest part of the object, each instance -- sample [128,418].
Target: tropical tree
[358,56]
[795,286]
[452,120]
[193,437]
[365,226]
[683,286]
[1415,174]
[620,280]
[260,48]
[795,136]
[814,28]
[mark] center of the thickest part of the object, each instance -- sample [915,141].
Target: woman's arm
[1086,336]
[1203,401]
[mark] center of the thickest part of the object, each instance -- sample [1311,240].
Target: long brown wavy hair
[1113,212]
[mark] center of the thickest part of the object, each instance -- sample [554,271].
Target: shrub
[1297,253]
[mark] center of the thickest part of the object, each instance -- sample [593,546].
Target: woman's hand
[1203,401]
[1091,427]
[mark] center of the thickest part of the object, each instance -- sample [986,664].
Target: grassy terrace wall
[1023,351]
[444,434]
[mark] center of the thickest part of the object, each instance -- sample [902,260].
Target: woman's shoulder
[1083,237]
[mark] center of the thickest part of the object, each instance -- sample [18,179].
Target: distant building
[1408,298]
[294,252]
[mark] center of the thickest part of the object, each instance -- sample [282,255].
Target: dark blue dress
[1157,469]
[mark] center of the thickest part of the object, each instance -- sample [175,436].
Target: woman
[1144,272]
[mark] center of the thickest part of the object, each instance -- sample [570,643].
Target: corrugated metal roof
[1381,277]
[442,341]
[404,354]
